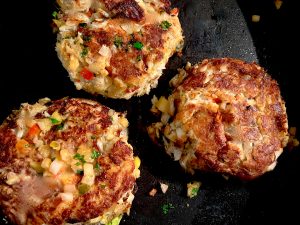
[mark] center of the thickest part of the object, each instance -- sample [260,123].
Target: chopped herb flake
[54,121]
[79,172]
[166,208]
[78,164]
[60,126]
[138,45]
[79,157]
[93,137]
[86,38]
[165,25]
[97,166]
[139,58]
[82,25]
[83,188]
[84,52]
[95,154]
[54,14]
[118,41]
[195,191]
[102,186]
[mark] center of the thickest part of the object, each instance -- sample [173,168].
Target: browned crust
[128,9]
[223,136]
[117,166]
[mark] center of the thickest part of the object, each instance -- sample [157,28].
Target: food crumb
[193,188]
[255,18]
[278,4]
[187,205]
[153,192]
[164,187]
[293,141]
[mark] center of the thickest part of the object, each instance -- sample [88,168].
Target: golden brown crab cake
[224,115]
[64,162]
[117,48]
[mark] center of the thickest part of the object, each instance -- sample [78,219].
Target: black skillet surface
[213,28]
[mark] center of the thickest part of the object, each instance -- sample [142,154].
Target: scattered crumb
[225,177]
[193,188]
[293,141]
[187,205]
[278,4]
[255,18]
[164,187]
[153,192]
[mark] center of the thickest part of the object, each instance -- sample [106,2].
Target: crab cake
[117,48]
[65,162]
[224,115]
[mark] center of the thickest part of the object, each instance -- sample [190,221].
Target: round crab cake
[117,48]
[66,161]
[224,115]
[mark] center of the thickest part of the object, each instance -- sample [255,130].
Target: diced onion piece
[46,163]
[255,18]
[56,166]
[105,51]
[12,178]
[65,155]
[67,196]
[45,124]
[180,133]
[89,174]
[165,118]
[44,150]
[163,104]
[164,187]
[100,145]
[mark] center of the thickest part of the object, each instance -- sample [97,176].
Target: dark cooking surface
[213,28]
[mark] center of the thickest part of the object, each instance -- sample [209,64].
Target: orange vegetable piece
[86,74]
[22,146]
[33,131]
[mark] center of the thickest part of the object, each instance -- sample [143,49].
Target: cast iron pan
[31,70]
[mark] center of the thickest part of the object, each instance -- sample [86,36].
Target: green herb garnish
[166,208]
[93,137]
[86,38]
[102,186]
[83,25]
[79,172]
[95,154]
[84,52]
[97,166]
[138,45]
[165,25]
[83,188]
[55,14]
[79,157]
[139,58]
[60,126]
[194,192]
[54,121]
[118,41]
